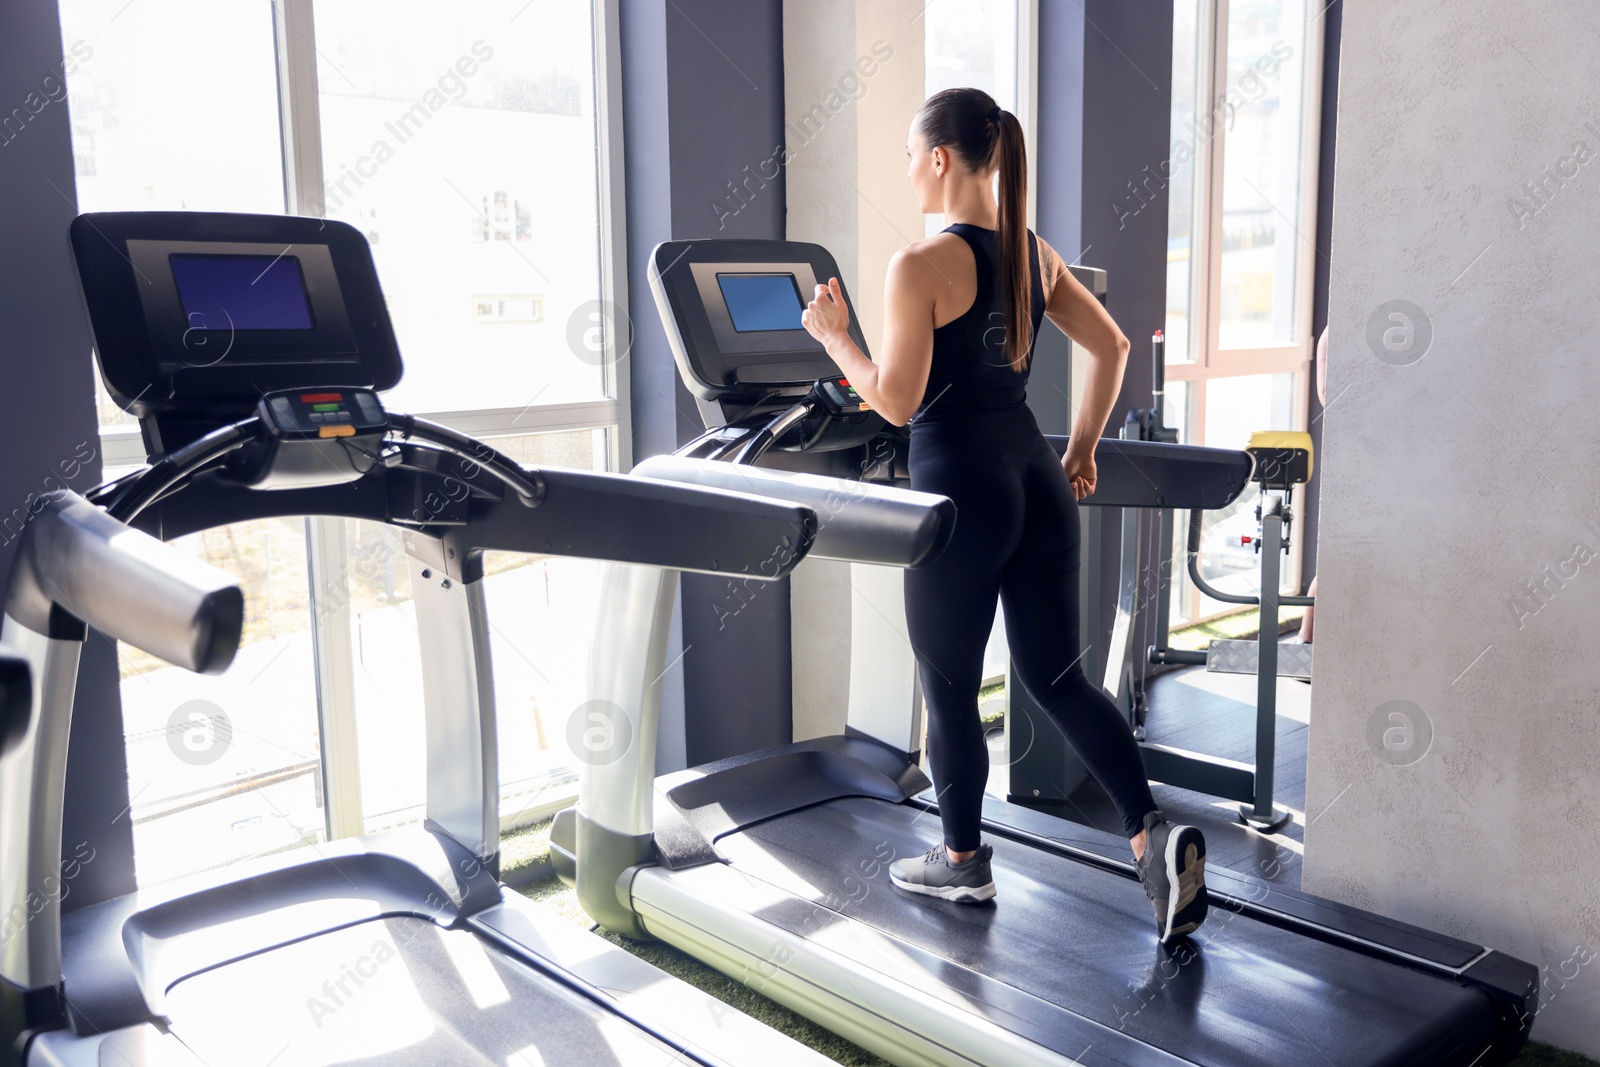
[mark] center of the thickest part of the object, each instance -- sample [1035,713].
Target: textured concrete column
[1451,780]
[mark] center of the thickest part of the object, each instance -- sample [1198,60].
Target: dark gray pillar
[703,93]
[1332,34]
[1105,97]
[48,430]
[1127,136]
[1058,152]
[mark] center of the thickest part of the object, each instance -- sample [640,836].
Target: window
[135,151]
[1246,76]
[470,132]
[541,620]
[976,43]
[470,144]
[226,767]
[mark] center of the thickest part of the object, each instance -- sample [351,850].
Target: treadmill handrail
[856,521]
[126,584]
[1154,474]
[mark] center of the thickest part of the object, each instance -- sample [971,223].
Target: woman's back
[969,369]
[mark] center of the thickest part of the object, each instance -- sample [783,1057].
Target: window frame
[328,565]
[1212,361]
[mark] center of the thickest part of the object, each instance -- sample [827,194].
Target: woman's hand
[1080,472]
[827,317]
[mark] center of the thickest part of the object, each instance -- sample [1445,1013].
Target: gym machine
[252,348]
[772,865]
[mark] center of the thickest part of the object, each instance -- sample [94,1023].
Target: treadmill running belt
[1084,939]
[397,991]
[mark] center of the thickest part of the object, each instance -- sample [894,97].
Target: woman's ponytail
[1016,283]
[986,137]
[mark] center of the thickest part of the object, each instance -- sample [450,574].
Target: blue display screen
[242,292]
[762,301]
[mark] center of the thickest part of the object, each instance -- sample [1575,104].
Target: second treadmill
[394,948]
[772,866]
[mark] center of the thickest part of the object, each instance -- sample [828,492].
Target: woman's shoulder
[943,241]
[933,253]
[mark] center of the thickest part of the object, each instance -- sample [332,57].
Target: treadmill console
[732,314]
[838,397]
[296,414]
[196,315]
[312,437]
[731,309]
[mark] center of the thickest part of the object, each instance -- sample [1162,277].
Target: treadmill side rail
[75,562]
[76,565]
[856,520]
[1154,474]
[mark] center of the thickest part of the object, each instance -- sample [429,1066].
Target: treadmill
[772,866]
[252,347]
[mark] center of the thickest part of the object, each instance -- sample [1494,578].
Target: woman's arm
[895,383]
[1081,317]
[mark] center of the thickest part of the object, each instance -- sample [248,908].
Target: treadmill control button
[368,405]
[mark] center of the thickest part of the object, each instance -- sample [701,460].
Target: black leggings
[1016,540]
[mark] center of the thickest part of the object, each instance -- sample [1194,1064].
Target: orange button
[336,431]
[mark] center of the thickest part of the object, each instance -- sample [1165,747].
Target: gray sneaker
[934,875]
[1173,871]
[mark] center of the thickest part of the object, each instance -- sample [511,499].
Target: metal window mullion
[1200,206]
[1310,159]
[298,106]
[327,568]
[333,653]
[1027,92]
[1216,162]
[613,218]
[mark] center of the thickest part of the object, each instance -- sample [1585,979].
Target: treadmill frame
[659,873]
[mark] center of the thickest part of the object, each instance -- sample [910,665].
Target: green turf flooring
[532,846]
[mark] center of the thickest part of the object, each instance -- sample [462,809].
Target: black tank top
[970,371]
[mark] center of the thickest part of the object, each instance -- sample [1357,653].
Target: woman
[963,307]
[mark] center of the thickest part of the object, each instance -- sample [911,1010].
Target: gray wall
[1452,776]
[703,100]
[1105,89]
[47,416]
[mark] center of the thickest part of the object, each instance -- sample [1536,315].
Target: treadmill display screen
[759,302]
[221,292]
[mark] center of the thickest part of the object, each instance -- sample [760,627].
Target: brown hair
[986,137]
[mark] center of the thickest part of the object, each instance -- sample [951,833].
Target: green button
[324,407]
